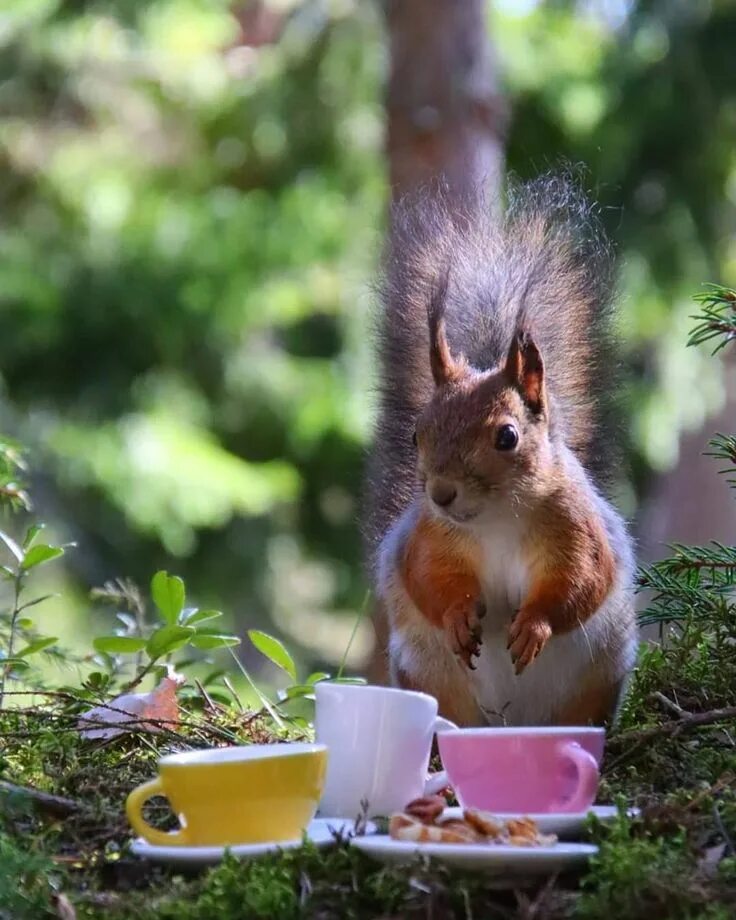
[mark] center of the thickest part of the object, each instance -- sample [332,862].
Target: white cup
[379,740]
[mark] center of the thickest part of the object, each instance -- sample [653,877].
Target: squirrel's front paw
[528,635]
[463,629]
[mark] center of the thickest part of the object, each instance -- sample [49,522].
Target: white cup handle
[436,782]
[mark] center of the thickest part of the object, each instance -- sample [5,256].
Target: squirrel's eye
[507,437]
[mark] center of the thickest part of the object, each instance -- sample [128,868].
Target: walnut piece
[483,822]
[427,809]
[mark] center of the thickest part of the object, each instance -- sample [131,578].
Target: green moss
[27,881]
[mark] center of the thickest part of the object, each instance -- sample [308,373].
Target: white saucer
[498,860]
[321,832]
[565,826]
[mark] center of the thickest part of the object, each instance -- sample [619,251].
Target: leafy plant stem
[17,588]
[358,621]
[271,709]
[138,679]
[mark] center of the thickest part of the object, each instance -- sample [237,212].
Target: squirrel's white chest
[504,574]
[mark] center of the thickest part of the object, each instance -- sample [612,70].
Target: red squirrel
[505,572]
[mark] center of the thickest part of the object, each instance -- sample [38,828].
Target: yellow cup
[225,796]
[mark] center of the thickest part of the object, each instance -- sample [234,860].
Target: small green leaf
[36,600]
[25,623]
[168,595]
[199,616]
[212,676]
[205,638]
[167,639]
[37,645]
[273,650]
[33,531]
[39,554]
[297,691]
[114,645]
[15,664]
[317,676]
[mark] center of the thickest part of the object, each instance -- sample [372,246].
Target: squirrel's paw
[464,631]
[527,637]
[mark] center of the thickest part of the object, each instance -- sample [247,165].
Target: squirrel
[505,572]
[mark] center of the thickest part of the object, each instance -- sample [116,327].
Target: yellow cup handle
[134,810]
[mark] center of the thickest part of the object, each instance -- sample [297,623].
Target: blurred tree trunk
[445,119]
[690,504]
[445,116]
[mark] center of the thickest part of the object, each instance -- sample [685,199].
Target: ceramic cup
[523,770]
[253,794]
[379,740]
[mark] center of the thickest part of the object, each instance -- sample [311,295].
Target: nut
[483,822]
[426,809]
[456,831]
[399,823]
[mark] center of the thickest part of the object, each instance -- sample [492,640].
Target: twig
[54,805]
[638,737]
[670,705]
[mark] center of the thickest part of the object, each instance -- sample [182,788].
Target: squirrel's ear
[525,370]
[444,367]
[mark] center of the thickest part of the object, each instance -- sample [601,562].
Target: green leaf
[199,616]
[167,639]
[113,645]
[317,676]
[39,554]
[24,623]
[13,664]
[205,638]
[273,650]
[297,691]
[168,595]
[33,531]
[37,645]
[36,600]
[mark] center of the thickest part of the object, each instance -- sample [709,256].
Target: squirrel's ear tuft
[444,367]
[525,370]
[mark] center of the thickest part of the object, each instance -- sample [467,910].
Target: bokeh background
[193,199]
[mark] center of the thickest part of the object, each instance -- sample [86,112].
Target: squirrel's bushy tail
[545,264]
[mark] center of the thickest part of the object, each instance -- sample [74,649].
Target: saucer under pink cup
[523,770]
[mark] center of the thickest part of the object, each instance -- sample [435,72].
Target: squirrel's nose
[443,493]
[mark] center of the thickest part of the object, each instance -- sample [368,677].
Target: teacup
[380,740]
[523,770]
[225,796]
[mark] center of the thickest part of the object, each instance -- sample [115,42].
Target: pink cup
[523,770]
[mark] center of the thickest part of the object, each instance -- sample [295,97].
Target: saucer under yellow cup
[258,793]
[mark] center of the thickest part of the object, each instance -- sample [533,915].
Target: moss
[664,864]
[28,881]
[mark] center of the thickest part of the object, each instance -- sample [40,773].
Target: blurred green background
[192,204]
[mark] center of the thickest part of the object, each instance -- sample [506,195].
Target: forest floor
[673,756]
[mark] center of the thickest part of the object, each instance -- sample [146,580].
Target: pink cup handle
[436,782]
[587,769]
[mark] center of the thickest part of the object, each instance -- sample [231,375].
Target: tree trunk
[445,120]
[445,117]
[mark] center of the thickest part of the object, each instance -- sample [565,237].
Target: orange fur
[574,572]
[439,574]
